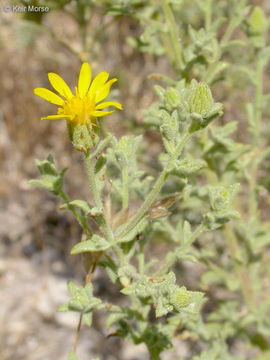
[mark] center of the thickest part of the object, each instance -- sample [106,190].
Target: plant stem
[97,196]
[80,218]
[172,259]
[155,190]
[82,22]
[92,181]
[98,202]
[193,237]
[125,198]
[165,38]
[60,41]
[141,257]
[239,267]
[208,76]
[77,334]
[258,100]
[253,204]
[174,34]
[208,15]
[88,279]
[233,23]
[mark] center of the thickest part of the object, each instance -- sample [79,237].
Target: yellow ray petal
[84,79]
[109,103]
[98,82]
[49,96]
[102,93]
[55,117]
[60,85]
[101,113]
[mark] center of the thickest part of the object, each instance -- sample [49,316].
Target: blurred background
[36,236]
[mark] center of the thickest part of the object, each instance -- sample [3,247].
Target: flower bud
[257,23]
[200,100]
[180,298]
[82,137]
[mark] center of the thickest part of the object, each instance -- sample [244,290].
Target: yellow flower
[86,104]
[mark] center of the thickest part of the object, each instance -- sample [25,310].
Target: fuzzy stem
[172,259]
[98,202]
[125,198]
[77,334]
[60,41]
[208,76]
[141,259]
[165,38]
[92,181]
[97,196]
[240,269]
[208,15]
[253,204]
[194,236]
[80,218]
[82,22]
[174,33]
[155,190]
[88,279]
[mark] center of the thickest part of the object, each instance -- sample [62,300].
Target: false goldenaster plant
[234,324]
[114,238]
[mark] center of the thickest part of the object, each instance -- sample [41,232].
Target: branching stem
[155,190]
[88,279]
[253,203]
[209,74]
[125,198]
[240,269]
[172,259]
[208,15]
[80,218]
[106,227]
[174,34]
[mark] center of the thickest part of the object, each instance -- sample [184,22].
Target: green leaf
[186,167]
[186,232]
[222,132]
[96,243]
[72,356]
[110,267]
[160,92]
[100,164]
[126,274]
[165,294]
[173,98]
[63,308]
[81,204]
[72,288]
[221,201]
[114,317]
[133,233]
[87,319]
[50,178]
[169,129]
[180,298]
[86,208]
[82,300]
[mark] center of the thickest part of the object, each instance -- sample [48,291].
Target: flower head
[86,104]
